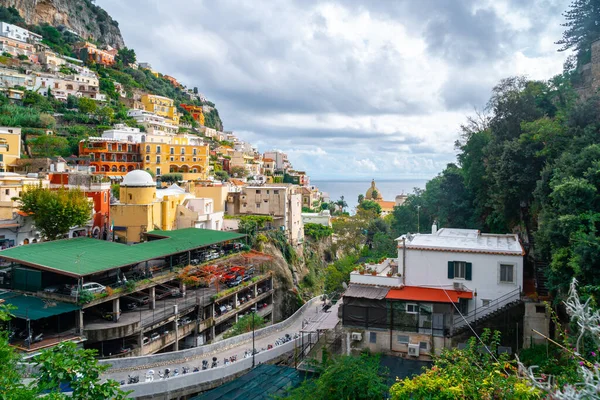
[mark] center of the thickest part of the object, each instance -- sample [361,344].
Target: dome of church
[138,178]
[373,188]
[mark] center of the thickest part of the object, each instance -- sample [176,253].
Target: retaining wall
[143,361]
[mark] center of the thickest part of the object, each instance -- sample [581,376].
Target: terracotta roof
[386,205]
[237,182]
[268,160]
[434,295]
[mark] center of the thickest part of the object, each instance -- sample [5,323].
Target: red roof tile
[416,293]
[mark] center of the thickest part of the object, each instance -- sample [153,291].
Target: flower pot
[361,272]
[374,273]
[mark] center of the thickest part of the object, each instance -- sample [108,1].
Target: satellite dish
[344,285]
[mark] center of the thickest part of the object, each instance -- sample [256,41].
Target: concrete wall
[195,382]
[430,268]
[137,362]
[535,319]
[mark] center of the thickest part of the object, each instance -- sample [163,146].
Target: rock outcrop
[81,16]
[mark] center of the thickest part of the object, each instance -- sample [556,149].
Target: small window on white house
[372,337]
[507,273]
[423,345]
[412,308]
[403,339]
[485,302]
[460,269]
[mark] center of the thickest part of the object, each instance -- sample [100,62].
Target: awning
[415,293]
[33,308]
[366,292]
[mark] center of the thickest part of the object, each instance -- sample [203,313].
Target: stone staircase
[482,314]
[541,280]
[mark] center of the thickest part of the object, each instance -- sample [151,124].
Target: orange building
[89,52]
[110,157]
[172,80]
[96,188]
[196,112]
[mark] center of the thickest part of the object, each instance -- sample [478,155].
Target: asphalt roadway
[310,320]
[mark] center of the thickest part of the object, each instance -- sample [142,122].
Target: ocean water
[351,189]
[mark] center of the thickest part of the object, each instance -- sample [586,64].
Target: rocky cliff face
[81,16]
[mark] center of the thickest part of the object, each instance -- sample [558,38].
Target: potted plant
[361,270]
[389,274]
[373,271]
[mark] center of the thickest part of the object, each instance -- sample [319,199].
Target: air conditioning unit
[458,286]
[413,350]
[356,336]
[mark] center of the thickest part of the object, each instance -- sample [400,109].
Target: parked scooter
[204,364]
[133,379]
[215,363]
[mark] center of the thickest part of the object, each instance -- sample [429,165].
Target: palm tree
[341,204]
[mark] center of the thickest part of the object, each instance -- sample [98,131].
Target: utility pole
[418,219]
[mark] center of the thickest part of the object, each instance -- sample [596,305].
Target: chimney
[434,227]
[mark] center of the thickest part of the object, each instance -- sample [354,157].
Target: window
[258,192]
[183,150]
[412,308]
[148,149]
[485,302]
[172,158]
[507,273]
[7,192]
[459,270]
[372,337]
[130,196]
[158,149]
[157,171]
[194,151]
[540,309]
[403,339]
[257,205]
[147,158]
[182,158]
[172,150]
[423,345]
[275,191]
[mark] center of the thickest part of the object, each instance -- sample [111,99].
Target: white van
[91,287]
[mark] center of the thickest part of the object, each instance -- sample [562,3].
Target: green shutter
[469,271]
[450,269]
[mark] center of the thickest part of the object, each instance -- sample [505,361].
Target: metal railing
[493,306]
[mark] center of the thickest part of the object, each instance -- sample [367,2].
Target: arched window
[148,149]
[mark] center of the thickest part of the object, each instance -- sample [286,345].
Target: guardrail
[493,306]
[201,380]
[143,361]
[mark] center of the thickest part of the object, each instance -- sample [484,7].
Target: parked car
[59,289]
[235,282]
[91,287]
[154,336]
[145,340]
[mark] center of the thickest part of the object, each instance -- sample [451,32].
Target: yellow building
[140,209]
[182,155]
[10,148]
[162,106]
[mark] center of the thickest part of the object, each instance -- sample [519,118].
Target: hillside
[83,17]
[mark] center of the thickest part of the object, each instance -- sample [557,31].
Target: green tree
[476,372]
[317,231]
[171,178]
[126,56]
[54,212]
[244,325]
[105,114]
[346,377]
[49,146]
[582,27]
[370,205]
[341,203]
[361,198]
[65,363]
[11,15]
[37,101]
[239,172]
[86,105]
[222,176]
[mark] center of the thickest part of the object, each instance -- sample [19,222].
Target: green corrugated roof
[85,256]
[34,307]
[263,382]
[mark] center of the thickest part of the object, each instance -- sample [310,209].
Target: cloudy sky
[349,89]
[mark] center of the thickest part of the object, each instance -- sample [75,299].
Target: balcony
[383,274]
